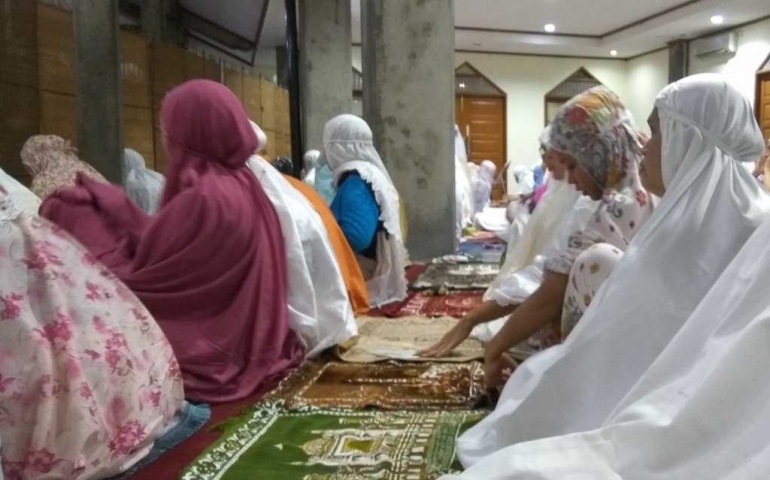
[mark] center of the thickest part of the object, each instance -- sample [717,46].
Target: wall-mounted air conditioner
[722,44]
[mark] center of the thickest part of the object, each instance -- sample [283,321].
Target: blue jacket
[357,213]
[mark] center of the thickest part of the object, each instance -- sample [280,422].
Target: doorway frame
[503,95]
[762,72]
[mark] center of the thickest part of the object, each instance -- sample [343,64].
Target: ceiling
[589,28]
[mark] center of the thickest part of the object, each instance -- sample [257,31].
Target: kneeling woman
[211,264]
[597,142]
[88,380]
[367,207]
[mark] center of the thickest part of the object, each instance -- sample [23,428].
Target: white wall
[526,80]
[740,70]
[647,75]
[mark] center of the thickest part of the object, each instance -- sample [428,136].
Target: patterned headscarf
[53,163]
[598,131]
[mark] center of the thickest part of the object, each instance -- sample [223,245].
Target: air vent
[722,44]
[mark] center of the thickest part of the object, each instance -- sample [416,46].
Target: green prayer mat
[309,443]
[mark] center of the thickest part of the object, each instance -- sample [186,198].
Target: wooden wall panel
[56,50]
[18,44]
[57,115]
[138,132]
[272,146]
[197,66]
[234,81]
[252,98]
[18,122]
[135,70]
[268,105]
[168,64]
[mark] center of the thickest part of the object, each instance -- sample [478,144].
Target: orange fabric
[354,279]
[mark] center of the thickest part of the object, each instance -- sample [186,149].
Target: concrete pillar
[97,85]
[282,66]
[408,60]
[678,60]
[325,65]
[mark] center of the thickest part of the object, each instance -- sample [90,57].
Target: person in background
[482,185]
[319,308]
[351,271]
[525,178]
[89,381]
[53,163]
[142,185]
[710,207]
[311,165]
[211,264]
[762,167]
[283,165]
[367,207]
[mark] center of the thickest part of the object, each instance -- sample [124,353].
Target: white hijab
[319,306]
[700,411]
[142,185]
[711,207]
[23,198]
[525,178]
[347,147]
[482,185]
[463,186]
[311,164]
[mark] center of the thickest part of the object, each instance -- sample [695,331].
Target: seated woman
[311,165]
[89,381]
[211,264]
[351,271]
[710,206]
[367,207]
[53,163]
[482,186]
[143,186]
[319,308]
[604,167]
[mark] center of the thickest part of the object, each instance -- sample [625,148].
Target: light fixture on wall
[717,19]
[614,53]
[462,85]
[550,27]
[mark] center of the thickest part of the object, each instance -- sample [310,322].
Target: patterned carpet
[309,443]
[388,385]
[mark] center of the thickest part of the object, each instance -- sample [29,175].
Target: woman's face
[553,164]
[578,176]
[651,171]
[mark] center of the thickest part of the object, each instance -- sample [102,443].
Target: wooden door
[763,103]
[482,123]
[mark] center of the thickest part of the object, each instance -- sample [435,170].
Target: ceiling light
[614,53]
[717,19]
[462,85]
[550,27]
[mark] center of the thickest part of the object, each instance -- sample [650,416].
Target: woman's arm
[540,309]
[486,312]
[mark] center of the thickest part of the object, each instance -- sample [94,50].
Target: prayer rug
[382,339]
[453,304]
[310,443]
[388,385]
[472,276]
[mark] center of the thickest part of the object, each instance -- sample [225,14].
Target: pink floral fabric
[87,379]
[53,163]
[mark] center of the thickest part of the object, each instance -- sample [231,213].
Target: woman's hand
[497,369]
[450,340]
